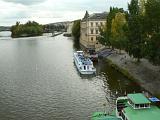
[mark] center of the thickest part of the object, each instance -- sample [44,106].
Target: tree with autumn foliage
[118,37]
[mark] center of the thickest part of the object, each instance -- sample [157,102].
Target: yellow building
[90,30]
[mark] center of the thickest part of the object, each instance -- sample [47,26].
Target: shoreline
[144,73]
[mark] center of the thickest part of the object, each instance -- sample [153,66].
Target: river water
[39,81]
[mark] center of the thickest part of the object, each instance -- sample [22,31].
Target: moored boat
[136,107]
[83,64]
[133,107]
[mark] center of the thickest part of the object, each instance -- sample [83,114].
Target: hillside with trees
[26,30]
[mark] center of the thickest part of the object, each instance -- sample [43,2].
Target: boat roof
[102,116]
[154,99]
[138,98]
[85,60]
[152,113]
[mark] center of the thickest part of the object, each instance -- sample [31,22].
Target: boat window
[142,105]
[146,105]
[84,67]
[136,105]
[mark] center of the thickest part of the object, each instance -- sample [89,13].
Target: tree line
[137,31]
[31,28]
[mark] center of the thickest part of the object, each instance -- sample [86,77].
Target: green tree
[135,31]
[76,29]
[105,31]
[118,37]
[103,35]
[110,17]
[25,30]
[152,30]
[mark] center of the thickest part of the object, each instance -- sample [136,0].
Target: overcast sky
[49,11]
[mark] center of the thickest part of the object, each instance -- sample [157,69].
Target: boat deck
[84,60]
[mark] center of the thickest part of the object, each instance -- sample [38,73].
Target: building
[90,30]
[69,27]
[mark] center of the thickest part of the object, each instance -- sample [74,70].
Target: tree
[76,29]
[118,37]
[105,31]
[25,30]
[152,30]
[135,31]
[103,35]
[142,6]
[110,17]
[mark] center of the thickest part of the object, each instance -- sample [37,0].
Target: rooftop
[152,113]
[138,98]
[95,16]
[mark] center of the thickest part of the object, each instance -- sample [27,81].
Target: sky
[50,11]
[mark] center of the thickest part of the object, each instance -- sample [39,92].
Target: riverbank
[144,73]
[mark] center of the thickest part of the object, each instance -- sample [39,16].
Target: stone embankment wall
[144,73]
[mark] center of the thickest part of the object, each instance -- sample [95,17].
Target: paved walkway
[148,75]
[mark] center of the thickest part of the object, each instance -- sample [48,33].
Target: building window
[91,38]
[96,31]
[91,31]
[91,24]
[96,23]
[84,67]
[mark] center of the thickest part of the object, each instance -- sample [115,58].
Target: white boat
[83,64]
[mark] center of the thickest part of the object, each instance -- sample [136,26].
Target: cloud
[48,11]
[25,2]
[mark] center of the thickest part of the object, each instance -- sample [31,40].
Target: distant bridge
[59,26]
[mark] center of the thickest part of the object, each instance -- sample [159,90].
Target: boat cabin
[138,101]
[138,107]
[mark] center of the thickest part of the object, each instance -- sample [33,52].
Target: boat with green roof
[137,107]
[133,107]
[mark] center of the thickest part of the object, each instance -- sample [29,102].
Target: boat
[137,107]
[134,107]
[83,64]
[103,116]
[93,55]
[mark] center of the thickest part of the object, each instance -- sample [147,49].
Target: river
[39,81]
